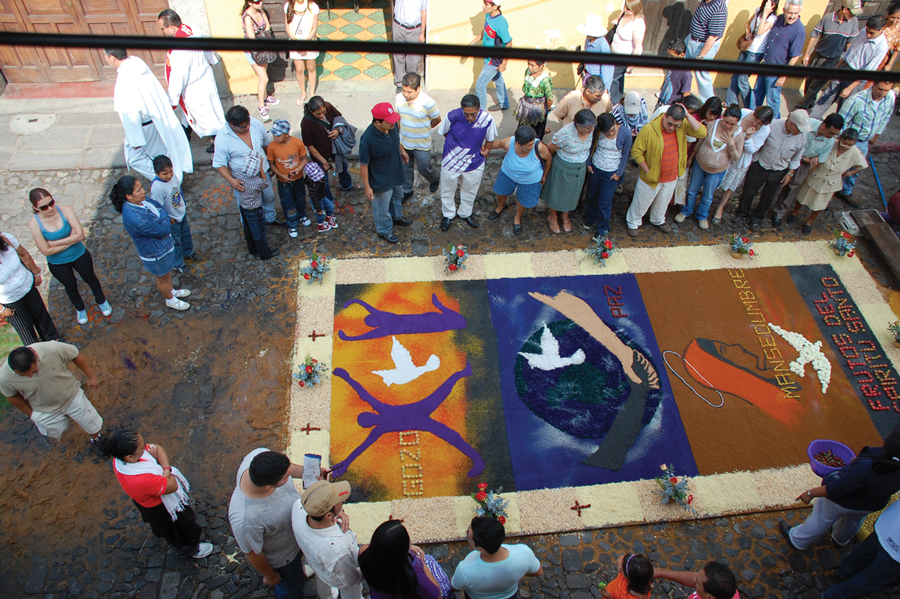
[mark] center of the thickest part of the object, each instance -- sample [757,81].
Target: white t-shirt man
[333,555]
[495,580]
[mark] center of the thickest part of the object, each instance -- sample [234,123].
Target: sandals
[716,221]
[566,223]
[554,224]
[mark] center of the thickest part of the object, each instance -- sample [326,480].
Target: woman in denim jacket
[148,224]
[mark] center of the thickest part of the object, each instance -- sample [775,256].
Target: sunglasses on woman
[45,207]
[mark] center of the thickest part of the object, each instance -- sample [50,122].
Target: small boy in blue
[165,189]
[314,177]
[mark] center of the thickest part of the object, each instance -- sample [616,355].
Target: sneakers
[95,440]
[271,101]
[264,114]
[81,316]
[665,228]
[322,227]
[305,222]
[704,224]
[292,232]
[332,222]
[679,218]
[203,549]
[177,304]
[181,292]
[105,308]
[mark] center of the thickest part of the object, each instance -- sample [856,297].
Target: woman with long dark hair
[158,490]
[318,129]
[22,304]
[59,236]
[396,569]
[148,224]
[848,495]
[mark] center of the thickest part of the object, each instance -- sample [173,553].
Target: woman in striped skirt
[23,306]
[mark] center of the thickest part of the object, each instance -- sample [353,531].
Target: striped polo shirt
[709,19]
[415,121]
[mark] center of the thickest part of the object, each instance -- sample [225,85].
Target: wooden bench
[882,235]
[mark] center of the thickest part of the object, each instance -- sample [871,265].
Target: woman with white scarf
[158,489]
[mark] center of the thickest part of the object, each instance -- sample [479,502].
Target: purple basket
[838,449]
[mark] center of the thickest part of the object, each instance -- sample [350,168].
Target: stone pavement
[210,385]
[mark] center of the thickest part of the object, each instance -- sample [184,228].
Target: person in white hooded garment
[151,127]
[191,82]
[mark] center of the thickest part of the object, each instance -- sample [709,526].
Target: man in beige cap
[321,528]
[778,159]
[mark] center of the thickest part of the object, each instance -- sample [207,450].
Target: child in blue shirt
[165,189]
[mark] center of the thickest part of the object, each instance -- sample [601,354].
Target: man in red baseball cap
[381,159]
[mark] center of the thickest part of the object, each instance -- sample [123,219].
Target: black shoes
[390,238]
[776,222]
[755,227]
[434,186]
[445,223]
[785,529]
[517,229]
[848,199]
[807,229]
[470,220]
[402,222]
[791,219]
[407,195]
[495,214]
[277,223]
[272,253]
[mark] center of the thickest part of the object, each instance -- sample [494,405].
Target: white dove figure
[549,358]
[404,370]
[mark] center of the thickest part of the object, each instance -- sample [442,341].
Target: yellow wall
[225,21]
[552,24]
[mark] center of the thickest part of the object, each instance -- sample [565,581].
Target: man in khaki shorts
[36,380]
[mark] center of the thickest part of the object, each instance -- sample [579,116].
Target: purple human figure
[416,416]
[385,324]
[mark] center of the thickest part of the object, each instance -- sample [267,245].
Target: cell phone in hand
[312,467]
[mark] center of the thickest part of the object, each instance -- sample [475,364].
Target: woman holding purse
[752,46]
[256,25]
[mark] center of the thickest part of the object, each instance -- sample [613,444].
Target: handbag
[612,30]
[580,68]
[264,57]
[744,42]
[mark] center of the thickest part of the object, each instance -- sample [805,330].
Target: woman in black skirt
[158,490]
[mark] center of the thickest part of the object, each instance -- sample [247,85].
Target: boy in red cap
[381,160]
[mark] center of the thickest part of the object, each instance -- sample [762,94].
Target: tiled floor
[343,23]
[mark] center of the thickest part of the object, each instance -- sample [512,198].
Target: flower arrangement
[894,328]
[740,246]
[841,244]
[316,269]
[490,503]
[455,257]
[674,489]
[810,353]
[311,372]
[602,249]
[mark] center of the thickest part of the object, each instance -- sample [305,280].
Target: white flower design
[810,353]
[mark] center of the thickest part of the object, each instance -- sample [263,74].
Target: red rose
[314,264]
[604,255]
[482,486]
[607,244]
[302,384]
[460,253]
[745,240]
[690,499]
[846,235]
[481,496]
[673,480]
[309,369]
[850,254]
[306,276]
[314,361]
[751,253]
[501,520]
[452,267]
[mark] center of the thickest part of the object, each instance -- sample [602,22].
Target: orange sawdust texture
[763,423]
[428,465]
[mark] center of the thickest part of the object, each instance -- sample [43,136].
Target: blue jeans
[255,232]
[740,84]
[866,570]
[766,91]
[344,180]
[386,206]
[293,201]
[184,244]
[268,201]
[422,158]
[490,73]
[701,179]
[598,199]
[850,181]
[323,208]
[703,78]
[292,580]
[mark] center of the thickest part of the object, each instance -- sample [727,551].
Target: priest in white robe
[151,127]
[191,81]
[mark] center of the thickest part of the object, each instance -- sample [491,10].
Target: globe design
[581,400]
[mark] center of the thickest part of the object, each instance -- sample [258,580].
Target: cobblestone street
[210,384]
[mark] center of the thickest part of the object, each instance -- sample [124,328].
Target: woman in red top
[158,490]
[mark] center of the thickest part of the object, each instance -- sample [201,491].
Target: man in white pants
[660,150]
[36,380]
[467,130]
